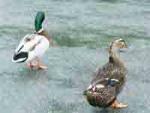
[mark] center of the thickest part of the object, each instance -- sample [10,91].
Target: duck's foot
[30,66]
[36,64]
[40,65]
[117,105]
[43,67]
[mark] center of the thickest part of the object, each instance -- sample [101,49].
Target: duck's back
[112,71]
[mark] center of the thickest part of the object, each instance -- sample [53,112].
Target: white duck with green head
[32,47]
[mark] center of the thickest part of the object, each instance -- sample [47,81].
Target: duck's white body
[30,47]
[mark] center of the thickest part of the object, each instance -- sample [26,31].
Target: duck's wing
[34,44]
[31,44]
[111,82]
[106,82]
[105,86]
[100,95]
[110,71]
[20,46]
[101,73]
[26,46]
[23,41]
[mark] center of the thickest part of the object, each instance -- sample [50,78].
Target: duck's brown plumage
[113,70]
[45,34]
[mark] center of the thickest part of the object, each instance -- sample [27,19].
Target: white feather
[36,47]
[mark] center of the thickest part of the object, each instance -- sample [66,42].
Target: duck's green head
[40,16]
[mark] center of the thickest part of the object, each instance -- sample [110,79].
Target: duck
[33,46]
[109,80]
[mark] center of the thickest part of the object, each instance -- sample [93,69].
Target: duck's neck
[114,56]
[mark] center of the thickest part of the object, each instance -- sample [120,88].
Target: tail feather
[20,57]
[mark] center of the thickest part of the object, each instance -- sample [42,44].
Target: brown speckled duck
[109,80]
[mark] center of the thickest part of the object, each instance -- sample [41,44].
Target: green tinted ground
[82,31]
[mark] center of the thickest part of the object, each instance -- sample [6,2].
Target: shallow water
[82,30]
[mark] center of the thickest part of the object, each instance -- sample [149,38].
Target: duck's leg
[118,105]
[41,65]
[29,65]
